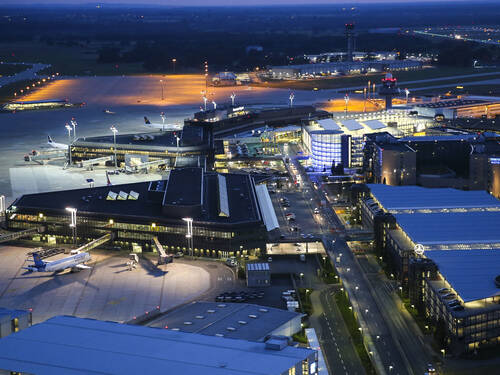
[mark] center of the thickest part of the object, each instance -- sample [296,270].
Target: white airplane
[167,127]
[60,146]
[75,262]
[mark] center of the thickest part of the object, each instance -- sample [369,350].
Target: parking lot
[108,291]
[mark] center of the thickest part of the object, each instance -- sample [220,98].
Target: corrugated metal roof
[416,197]
[69,345]
[471,273]
[476,227]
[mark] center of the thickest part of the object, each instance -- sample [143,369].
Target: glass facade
[325,148]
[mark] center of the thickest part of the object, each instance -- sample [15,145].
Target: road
[396,351]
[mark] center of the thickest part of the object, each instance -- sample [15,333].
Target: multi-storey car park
[443,245]
[229,214]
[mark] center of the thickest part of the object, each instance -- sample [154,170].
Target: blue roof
[471,273]
[416,197]
[68,345]
[477,227]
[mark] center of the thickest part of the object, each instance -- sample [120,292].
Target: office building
[258,275]
[68,345]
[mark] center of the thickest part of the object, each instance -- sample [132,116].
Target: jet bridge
[90,162]
[97,242]
[17,235]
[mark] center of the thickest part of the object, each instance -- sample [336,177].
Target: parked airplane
[75,262]
[53,144]
[167,127]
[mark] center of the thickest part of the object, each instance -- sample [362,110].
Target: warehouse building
[228,216]
[336,68]
[457,108]
[68,345]
[232,320]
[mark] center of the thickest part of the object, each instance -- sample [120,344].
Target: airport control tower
[349,33]
[389,89]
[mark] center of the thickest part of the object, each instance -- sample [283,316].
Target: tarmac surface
[108,291]
[128,99]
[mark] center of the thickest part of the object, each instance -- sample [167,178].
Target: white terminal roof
[352,125]
[416,197]
[471,273]
[67,345]
[375,124]
[476,227]
[329,124]
[266,207]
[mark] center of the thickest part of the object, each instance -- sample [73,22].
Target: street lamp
[74,124]
[173,63]
[68,128]
[346,99]
[214,104]
[291,97]
[114,130]
[72,224]
[177,138]
[205,100]
[163,117]
[233,96]
[2,204]
[189,233]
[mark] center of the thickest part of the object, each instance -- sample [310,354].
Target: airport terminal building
[230,214]
[192,146]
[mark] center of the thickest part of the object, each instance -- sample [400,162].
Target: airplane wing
[82,267]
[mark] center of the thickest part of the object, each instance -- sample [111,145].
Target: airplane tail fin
[50,139]
[38,261]
[146,121]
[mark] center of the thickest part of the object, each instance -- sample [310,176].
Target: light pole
[161,83]
[173,63]
[233,96]
[364,101]
[3,208]
[291,97]
[68,128]
[177,138]
[163,117]
[369,82]
[72,224]
[205,100]
[346,99]
[189,233]
[74,124]
[114,130]
[206,75]
[215,104]
[407,93]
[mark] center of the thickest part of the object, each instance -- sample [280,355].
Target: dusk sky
[216,2]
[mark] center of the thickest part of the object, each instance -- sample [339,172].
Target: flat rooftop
[93,202]
[72,346]
[454,103]
[232,320]
[467,228]
[471,273]
[394,198]
[185,187]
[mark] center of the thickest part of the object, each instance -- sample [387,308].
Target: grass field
[65,60]
[353,81]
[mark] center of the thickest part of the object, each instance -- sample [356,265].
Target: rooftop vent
[199,317]
[264,310]
[252,316]
[188,323]
[242,322]
[219,335]
[210,311]
[232,329]
[221,305]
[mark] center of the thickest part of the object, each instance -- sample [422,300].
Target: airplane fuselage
[62,264]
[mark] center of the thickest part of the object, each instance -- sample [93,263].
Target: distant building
[258,275]
[13,321]
[459,108]
[244,321]
[68,345]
